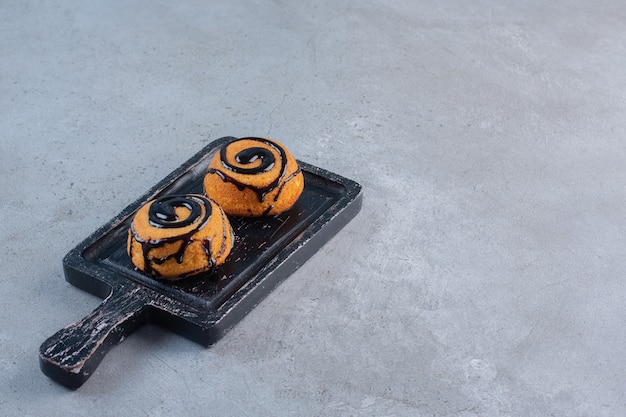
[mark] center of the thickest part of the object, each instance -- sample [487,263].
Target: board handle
[72,354]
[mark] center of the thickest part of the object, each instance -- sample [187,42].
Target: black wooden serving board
[202,307]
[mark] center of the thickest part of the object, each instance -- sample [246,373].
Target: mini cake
[179,235]
[254,177]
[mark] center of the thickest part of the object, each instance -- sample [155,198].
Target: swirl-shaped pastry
[254,177]
[179,235]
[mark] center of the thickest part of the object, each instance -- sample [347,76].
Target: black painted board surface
[202,307]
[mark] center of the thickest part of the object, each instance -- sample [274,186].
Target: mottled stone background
[485,274]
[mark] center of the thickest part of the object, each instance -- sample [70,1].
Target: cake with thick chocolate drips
[179,235]
[254,177]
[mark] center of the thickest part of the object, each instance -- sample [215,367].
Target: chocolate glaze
[226,229]
[162,212]
[162,215]
[250,155]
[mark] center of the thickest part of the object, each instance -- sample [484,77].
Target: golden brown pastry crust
[254,177]
[177,236]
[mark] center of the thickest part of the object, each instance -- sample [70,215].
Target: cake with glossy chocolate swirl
[179,235]
[254,177]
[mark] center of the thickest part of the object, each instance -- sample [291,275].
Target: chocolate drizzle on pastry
[172,225]
[251,155]
[246,162]
[162,212]
[253,177]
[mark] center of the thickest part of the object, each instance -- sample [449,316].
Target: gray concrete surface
[484,275]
